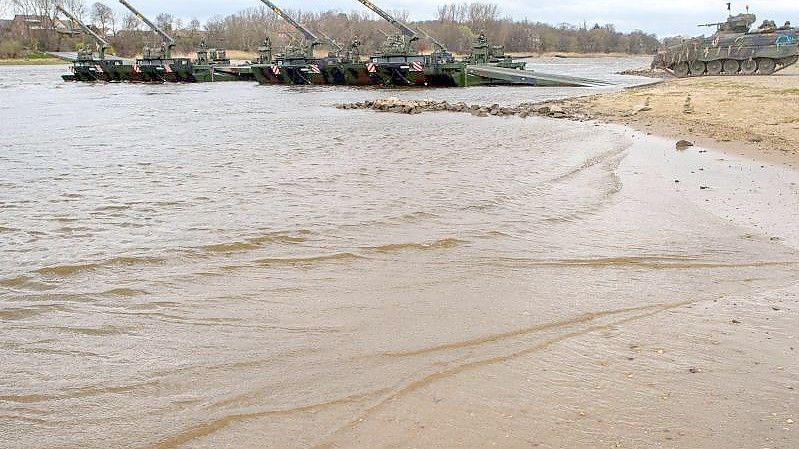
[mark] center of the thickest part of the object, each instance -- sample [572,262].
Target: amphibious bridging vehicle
[398,63]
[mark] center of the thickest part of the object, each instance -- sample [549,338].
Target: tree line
[457,25]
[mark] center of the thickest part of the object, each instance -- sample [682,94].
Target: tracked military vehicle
[734,49]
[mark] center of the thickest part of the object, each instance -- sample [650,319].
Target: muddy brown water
[239,266]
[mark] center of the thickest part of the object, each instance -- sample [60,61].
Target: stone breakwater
[552,109]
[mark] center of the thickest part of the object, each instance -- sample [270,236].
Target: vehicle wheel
[714,67]
[748,67]
[731,66]
[766,66]
[697,68]
[681,70]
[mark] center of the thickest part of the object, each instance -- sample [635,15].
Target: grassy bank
[32,60]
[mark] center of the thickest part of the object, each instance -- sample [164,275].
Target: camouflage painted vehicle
[158,65]
[89,66]
[485,53]
[733,50]
[86,68]
[397,64]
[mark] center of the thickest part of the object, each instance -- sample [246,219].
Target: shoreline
[754,117]
[35,61]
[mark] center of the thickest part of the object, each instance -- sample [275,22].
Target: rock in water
[683,144]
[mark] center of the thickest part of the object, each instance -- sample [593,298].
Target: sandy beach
[752,116]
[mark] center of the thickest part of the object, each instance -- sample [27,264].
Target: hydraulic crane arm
[104,45]
[438,44]
[309,36]
[332,42]
[166,38]
[403,28]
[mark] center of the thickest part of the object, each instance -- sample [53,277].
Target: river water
[230,265]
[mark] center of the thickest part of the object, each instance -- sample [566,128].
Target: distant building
[34,30]
[35,23]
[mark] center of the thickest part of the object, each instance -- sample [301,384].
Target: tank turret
[734,24]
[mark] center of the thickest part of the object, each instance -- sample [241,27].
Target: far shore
[32,61]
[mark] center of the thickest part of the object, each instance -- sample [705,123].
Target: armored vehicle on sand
[734,49]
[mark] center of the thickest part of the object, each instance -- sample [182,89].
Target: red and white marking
[98,68]
[314,68]
[167,69]
[416,67]
[371,68]
[275,70]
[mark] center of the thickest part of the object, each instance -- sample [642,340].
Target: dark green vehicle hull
[155,72]
[108,71]
[359,74]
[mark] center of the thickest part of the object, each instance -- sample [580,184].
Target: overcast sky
[663,17]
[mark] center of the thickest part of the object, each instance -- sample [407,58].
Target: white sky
[664,17]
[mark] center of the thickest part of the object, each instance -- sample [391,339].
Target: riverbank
[749,116]
[755,117]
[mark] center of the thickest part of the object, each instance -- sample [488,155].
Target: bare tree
[130,22]
[103,17]
[453,13]
[457,25]
[5,7]
[76,7]
[165,21]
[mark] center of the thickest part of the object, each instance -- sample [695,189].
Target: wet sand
[752,116]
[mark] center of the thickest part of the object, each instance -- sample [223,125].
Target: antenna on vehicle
[729,8]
